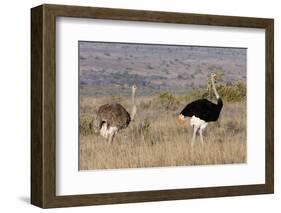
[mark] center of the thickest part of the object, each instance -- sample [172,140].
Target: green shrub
[143,127]
[167,101]
[145,104]
[234,93]
[229,93]
[116,98]
[88,125]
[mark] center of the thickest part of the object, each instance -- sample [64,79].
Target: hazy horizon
[107,68]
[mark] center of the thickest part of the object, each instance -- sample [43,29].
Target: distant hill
[110,68]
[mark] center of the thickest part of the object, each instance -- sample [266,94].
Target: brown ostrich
[113,117]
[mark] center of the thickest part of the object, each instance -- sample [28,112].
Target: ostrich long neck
[134,108]
[214,88]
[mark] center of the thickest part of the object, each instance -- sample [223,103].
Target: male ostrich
[201,112]
[113,117]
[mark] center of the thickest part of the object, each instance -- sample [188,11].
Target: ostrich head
[181,120]
[134,88]
[213,75]
[134,107]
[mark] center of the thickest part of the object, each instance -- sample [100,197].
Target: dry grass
[155,140]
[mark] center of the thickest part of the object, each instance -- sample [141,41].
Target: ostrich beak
[181,120]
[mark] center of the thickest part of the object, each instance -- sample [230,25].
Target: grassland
[154,139]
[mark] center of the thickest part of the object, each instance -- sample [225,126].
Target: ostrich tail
[181,120]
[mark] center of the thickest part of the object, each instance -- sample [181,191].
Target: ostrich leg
[112,132]
[201,137]
[103,130]
[202,127]
[110,138]
[195,129]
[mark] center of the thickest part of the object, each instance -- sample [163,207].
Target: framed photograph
[136,106]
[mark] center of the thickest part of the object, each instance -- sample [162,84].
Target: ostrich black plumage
[201,112]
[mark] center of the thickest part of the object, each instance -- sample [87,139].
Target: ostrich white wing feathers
[107,132]
[194,121]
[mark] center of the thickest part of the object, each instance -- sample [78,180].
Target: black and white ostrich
[201,112]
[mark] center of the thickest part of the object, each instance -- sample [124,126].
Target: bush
[116,98]
[229,93]
[167,101]
[88,125]
[234,93]
[145,104]
[143,127]
[194,95]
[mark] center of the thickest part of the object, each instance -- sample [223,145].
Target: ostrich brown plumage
[113,117]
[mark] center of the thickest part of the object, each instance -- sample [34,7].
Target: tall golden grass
[155,140]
